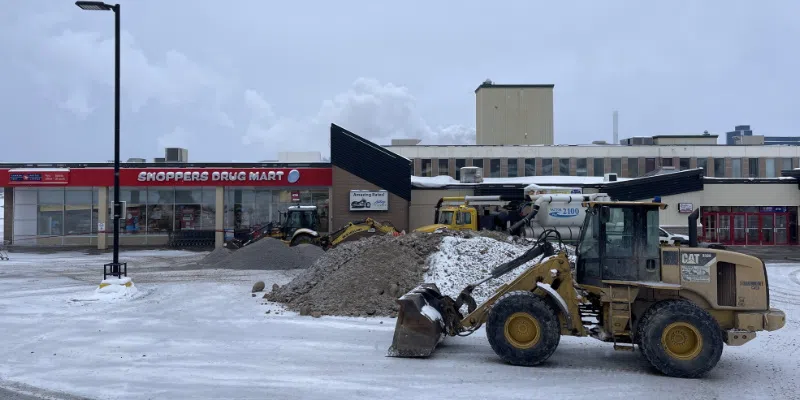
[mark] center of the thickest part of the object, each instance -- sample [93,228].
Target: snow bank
[116,289]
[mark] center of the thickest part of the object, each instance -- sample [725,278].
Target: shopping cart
[3,251]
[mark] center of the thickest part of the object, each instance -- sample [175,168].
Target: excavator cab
[619,241]
[300,217]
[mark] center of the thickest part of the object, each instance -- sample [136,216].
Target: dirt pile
[360,278]
[265,254]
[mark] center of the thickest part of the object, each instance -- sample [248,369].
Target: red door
[739,228]
[767,229]
[709,222]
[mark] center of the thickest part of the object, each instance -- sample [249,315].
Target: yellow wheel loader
[678,304]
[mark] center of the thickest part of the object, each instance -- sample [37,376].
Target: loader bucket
[420,326]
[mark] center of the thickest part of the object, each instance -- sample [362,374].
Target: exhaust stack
[693,227]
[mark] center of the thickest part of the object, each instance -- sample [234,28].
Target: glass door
[724,231]
[781,236]
[710,227]
[739,237]
[753,230]
[767,229]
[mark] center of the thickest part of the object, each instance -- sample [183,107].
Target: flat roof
[515,86]
[702,136]
[167,165]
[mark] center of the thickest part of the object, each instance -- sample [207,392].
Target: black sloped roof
[648,187]
[370,162]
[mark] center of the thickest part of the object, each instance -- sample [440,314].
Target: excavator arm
[356,230]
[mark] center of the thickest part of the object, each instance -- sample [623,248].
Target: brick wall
[343,182]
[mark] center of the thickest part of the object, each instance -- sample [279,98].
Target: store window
[160,211]
[512,168]
[444,166]
[80,212]
[719,167]
[666,162]
[194,209]
[494,168]
[250,208]
[684,163]
[563,166]
[477,162]
[530,167]
[133,222]
[599,166]
[26,202]
[547,166]
[51,212]
[580,167]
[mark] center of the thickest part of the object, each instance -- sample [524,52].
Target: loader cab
[299,217]
[458,218]
[619,241]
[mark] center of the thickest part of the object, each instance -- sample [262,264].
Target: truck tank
[564,214]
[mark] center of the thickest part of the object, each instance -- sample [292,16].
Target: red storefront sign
[300,177]
[38,176]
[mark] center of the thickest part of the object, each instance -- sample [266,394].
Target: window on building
[685,163]
[736,167]
[563,166]
[80,211]
[547,166]
[719,167]
[412,168]
[51,212]
[786,164]
[195,208]
[477,162]
[649,165]
[160,210]
[512,168]
[494,168]
[427,169]
[246,208]
[444,166]
[599,165]
[633,167]
[702,162]
[616,166]
[752,167]
[580,167]
[666,162]
[769,168]
[530,167]
[460,163]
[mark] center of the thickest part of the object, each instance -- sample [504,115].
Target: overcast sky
[241,80]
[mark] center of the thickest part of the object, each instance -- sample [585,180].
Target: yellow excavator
[352,231]
[678,304]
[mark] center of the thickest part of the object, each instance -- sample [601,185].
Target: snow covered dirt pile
[360,278]
[265,254]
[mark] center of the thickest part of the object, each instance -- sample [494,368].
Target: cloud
[179,137]
[372,109]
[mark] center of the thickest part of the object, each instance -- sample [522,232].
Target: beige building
[514,114]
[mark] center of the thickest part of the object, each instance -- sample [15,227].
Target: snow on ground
[199,334]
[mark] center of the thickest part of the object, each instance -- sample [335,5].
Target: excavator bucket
[420,324]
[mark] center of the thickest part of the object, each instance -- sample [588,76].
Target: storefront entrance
[750,226]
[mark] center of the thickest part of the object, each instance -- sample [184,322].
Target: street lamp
[100,6]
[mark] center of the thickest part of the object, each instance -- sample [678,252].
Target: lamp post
[100,6]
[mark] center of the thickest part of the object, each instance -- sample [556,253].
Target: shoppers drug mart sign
[220,176]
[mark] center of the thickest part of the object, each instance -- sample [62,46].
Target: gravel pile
[265,254]
[360,278]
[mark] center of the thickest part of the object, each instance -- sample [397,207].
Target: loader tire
[523,329]
[680,339]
